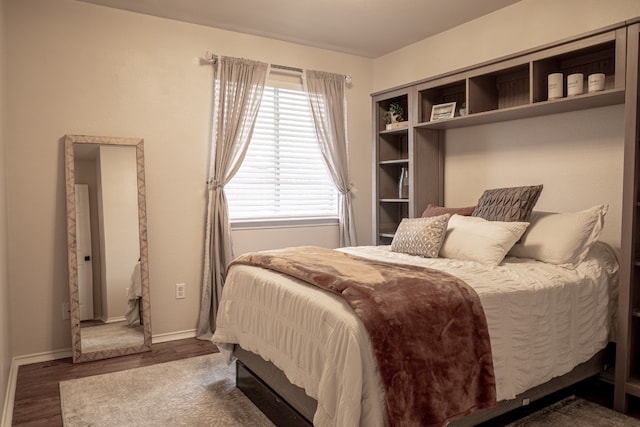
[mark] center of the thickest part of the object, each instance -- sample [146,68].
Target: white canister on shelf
[555,88]
[575,84]
[596,82]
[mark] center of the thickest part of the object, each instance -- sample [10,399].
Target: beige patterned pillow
[421,236]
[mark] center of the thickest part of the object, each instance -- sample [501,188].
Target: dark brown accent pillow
[435,210]
[508,204]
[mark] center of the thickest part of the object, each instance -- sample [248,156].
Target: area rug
[198,391]
[573,411]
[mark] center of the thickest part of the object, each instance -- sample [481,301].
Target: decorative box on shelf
[397,125]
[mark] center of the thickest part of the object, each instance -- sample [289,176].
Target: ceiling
[368,28]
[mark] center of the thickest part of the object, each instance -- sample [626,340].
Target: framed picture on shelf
[443,111]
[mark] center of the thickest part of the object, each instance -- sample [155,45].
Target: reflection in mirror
[107,247]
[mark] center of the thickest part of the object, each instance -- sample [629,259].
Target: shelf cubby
[390,214]
[598,58]
[431,95]
[383,106]
[389,179]
[499,89]
[393,145]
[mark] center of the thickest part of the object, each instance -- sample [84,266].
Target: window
[283,175]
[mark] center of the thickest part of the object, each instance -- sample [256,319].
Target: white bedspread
[543,321]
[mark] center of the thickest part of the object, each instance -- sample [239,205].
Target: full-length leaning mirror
[107,247]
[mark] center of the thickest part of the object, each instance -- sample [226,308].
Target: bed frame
[288,405]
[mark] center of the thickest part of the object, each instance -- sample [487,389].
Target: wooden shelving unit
[515,87]
[509,89]
[391,155]
[627,373]
[557,106]
[394,150]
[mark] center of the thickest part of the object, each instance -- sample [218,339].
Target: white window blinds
[283,175]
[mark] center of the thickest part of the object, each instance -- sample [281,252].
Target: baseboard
[173,336]
[7,410]
[45,356]
[115,319]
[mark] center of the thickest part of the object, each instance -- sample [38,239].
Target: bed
[548,323]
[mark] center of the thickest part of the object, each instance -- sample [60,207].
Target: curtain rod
[213,58]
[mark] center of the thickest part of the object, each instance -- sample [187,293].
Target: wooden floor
[37,397]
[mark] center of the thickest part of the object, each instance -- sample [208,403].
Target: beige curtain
[328,108]
[240,84]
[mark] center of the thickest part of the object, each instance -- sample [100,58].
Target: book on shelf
[396,125]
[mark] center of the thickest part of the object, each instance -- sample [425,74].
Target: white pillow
[561,238]
[476,239]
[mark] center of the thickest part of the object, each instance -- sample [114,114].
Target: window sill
[246,224]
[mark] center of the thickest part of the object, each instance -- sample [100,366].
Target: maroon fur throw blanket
[427,328]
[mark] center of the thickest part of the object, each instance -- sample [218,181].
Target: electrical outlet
[180,290]
[66,311]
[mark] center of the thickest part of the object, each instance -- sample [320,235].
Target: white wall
[5,321]
[257,239]
[78,68]
[576,156]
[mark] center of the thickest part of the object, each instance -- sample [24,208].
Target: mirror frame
[74,301]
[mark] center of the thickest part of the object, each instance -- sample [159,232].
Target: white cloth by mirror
[134,293]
